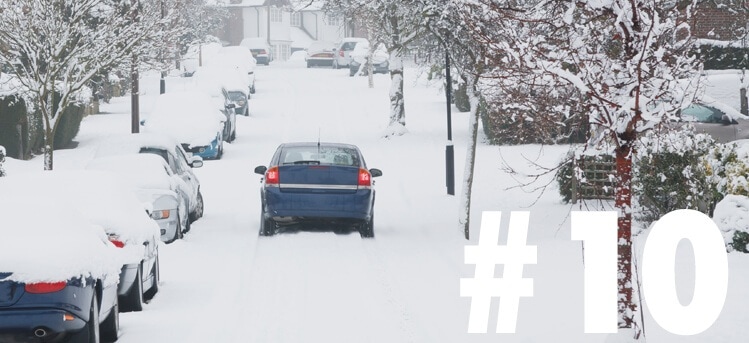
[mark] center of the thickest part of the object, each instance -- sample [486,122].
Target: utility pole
[162,81]
[134,92]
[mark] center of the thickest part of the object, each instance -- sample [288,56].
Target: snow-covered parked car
[260,49]
[220,83]
[359,57]
[240,59]
[342,52]
[721,122]
[178,160]
[104,200]
[58,273]
[320,54]
[192,118]
[198,54]
[166,193]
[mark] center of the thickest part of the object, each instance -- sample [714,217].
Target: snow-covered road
[223,283]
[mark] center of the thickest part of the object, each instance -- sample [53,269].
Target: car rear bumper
[19,325]
[319,61]
[355,205]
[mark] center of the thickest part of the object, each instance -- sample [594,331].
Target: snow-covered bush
[728,169]
[2,159]
[670,173]
[732,217]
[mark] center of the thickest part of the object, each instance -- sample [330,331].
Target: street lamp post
[449,151]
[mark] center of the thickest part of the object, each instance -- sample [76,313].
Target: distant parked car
[58,273]
[715,120]
[216,82]
[325,183]
[198,54]
[359,57]
[103,200]
[154,184]
[179,162]
[343,50]
[239,59]
[192,118]
[320,54]
[260,49]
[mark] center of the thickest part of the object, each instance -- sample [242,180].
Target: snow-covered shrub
[670,174]
[732,217]
[2,159]
[728,167]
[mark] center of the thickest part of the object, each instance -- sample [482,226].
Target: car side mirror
[230,106]
[142,122]
[375,172]
[261,170]
[196,162]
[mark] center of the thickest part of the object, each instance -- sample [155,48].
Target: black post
[162,82]
[449,152]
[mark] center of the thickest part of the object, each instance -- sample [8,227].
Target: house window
[333,20]
[275,15]
[296,19]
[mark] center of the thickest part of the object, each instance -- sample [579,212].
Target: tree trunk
[623,202]
[397,104]
[465,215]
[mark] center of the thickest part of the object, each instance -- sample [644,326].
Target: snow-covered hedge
[670,173]
[732,217]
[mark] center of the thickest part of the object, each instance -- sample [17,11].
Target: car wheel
[252,89]
[366,229]
[156,277]
[247,111]
[234,134]
[90,331]
[352,72]
[198,213]
[177,232]
[309,65]
[133,300]
[111,326]
[220,150]
[267,226]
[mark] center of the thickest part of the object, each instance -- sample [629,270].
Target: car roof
[133,143]
[314,144]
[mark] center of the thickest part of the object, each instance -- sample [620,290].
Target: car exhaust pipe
[40,332]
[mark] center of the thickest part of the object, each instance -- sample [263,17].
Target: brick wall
[712,22]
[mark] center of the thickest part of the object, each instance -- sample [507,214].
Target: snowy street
[223,283]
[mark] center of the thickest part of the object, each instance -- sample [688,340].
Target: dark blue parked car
[69,311]
[58,274]
[320,183]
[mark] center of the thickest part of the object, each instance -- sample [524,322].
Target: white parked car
[342,51]
[192,118]
[155,185]
[179,162]
[240,59]
[198,54]
[105,200]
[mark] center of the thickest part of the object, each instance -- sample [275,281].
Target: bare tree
[57,46]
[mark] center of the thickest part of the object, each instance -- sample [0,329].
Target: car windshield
[329,155]
[701,114]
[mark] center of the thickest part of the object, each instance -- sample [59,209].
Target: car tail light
[45,287]
[340,53]
[116,241]
[365,178]
[263,52]
[271,176]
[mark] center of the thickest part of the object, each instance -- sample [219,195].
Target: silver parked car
[714,120]
[342,51]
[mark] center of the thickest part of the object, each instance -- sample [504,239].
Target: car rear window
[324,155]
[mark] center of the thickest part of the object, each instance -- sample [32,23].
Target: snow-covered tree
[395,23]
[57,46]
[629,61]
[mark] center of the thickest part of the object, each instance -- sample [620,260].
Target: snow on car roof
[102,198]
[133,143]
[189,116]
[147,171]
[48,240]
[212,78]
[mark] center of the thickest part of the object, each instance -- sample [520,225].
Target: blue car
[326,183]
[214,151]
[58,274]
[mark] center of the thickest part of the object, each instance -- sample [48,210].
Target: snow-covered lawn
[223,283]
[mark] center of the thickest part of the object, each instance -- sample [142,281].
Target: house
[289,25]
[721,20]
